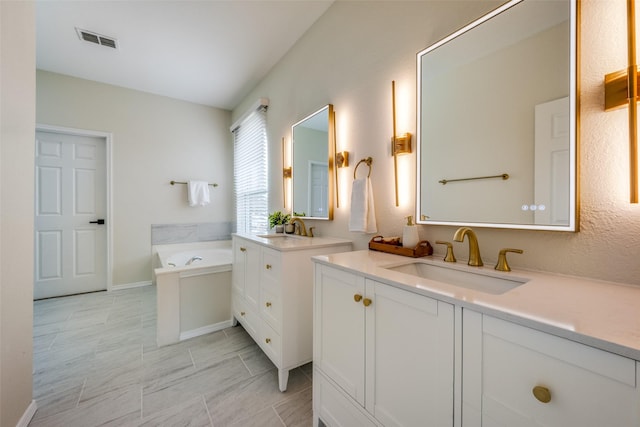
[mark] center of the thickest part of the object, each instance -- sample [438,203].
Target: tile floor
[96,363]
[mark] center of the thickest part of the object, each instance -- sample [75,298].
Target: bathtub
[193,283]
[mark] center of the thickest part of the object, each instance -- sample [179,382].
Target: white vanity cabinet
[382,355]
[273,293]
[504,364]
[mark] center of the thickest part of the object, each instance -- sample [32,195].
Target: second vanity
[397,343]
[272,293]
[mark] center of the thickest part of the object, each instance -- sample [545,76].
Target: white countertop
[292,242]
[600,314]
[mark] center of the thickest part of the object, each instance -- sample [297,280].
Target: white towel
[198,193]
[363,213]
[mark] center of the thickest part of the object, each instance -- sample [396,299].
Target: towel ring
[366,161]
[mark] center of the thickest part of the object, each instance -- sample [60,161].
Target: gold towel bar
[366,161]
[185,183]
[503,176]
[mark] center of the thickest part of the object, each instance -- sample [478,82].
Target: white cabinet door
[409,358]
[390,350]
[338,338]
[239,265]
[252,274]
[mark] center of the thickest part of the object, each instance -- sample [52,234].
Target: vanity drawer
[271,343]
[518,362]
[272,264]
[271,308]
[247,318]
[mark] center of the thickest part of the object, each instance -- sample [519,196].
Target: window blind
[250,173]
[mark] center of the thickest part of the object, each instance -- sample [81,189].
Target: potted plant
[278,219]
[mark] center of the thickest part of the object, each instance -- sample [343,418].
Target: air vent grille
[91,37]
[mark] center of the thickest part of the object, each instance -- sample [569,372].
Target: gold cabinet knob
[366,302]
[268,304]
[243,249]
[542,394]
[242,313]
[268,340]
[357,297]
[268,266]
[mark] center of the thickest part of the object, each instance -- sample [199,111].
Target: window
[250,171]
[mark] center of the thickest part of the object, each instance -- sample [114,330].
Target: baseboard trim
[131,285]
[205,330]
[28,415]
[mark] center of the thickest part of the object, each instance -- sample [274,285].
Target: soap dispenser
[410,234]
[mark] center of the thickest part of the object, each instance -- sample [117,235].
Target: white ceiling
[210,52]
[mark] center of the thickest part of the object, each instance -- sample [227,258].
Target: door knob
[357,297]
[99,221]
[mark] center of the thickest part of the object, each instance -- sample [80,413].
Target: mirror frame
[331,149]
[574,98]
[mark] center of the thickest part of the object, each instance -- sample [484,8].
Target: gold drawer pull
[243,249]
[242,313]
[357,297]
[366,302]
[268,266]
[542,394]
[268,304]
[268,340]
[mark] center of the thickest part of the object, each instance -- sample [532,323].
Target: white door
[70,241]
[552,162]
[318,189]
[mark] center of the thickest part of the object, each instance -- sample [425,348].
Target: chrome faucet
[474,251]
[301,229]
[194,258]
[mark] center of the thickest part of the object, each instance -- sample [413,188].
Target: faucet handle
[310,231]
[502,264]
[450,257]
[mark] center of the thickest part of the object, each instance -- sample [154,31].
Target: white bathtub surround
[194,289]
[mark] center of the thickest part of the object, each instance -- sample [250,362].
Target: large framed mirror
[313,140]
[497,120]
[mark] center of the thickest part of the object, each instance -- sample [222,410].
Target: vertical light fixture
[621,88]
[400,144]
[286,174]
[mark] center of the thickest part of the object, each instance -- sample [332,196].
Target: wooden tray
[423,248]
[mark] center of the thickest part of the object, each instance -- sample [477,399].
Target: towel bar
[185,183]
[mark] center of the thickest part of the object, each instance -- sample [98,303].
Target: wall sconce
[287,173]
[342,159]
[621,88]
[400,144]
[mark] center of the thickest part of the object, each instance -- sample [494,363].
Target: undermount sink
[466,279]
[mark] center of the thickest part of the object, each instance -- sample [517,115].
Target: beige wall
[155,140]
[17,121]
[349,57]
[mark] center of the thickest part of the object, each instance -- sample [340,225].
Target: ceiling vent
[91,37]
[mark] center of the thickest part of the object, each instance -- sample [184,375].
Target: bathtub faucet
[194,258]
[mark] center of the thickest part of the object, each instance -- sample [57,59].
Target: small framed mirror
[312,175]
[497,120]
